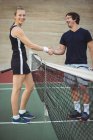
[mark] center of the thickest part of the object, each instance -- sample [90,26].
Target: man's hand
[50,51]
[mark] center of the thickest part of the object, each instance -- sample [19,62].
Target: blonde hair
[18,8]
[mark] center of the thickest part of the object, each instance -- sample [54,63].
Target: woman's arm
[19,33]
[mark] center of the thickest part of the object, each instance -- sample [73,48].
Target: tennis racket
[36,62]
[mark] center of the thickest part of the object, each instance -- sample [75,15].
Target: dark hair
[18,8]
[74,16]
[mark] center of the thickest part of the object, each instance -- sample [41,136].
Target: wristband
[45,49]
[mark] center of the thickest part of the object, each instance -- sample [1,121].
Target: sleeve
[88,36]
[62,40]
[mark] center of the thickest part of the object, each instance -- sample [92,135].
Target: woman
[21,71]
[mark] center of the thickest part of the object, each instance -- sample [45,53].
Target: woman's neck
[17,24]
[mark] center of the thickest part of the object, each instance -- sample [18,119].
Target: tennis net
[54,88]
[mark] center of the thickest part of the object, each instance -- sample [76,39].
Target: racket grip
[45,49]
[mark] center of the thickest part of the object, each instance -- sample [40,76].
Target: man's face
[70,21]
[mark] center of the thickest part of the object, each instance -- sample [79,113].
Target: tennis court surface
[39,128]
[50,102]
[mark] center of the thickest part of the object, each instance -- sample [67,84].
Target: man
[75,43]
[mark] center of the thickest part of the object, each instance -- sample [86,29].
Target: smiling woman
[21,70]
[20,14]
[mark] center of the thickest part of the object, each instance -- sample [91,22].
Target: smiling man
[75,43]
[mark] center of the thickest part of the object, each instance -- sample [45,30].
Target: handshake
[50,51]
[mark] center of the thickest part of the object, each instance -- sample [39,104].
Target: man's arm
[90,46]
[60,50]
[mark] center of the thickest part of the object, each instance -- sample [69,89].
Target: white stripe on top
[21,57]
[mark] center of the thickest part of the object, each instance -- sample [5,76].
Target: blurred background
[44,25]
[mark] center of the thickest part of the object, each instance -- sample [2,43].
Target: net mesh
[56,94]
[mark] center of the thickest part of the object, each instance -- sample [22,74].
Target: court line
[34,88]
[6,83]
[46,122]
[5,88]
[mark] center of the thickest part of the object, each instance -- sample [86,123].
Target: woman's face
[20,17]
